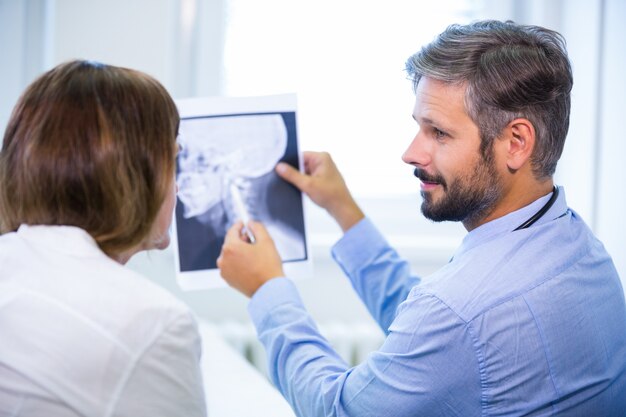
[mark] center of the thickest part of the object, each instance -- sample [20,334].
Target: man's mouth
[428,181]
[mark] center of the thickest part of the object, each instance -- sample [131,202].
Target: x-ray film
[229,148]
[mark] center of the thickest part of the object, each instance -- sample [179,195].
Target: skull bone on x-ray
[220,151]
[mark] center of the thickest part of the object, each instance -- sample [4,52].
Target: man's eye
[439,134]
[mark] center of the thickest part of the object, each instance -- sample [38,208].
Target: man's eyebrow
[423,120]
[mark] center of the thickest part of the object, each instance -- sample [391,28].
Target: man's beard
[467,198]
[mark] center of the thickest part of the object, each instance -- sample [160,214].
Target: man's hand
[247,266]
[323,183]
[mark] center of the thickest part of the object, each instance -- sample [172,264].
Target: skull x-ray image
[219,153]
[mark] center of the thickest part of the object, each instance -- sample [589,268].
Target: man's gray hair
[510,71]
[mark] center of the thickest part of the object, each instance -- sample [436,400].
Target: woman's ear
[520,143]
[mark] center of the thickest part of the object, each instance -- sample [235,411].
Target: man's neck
[516,197]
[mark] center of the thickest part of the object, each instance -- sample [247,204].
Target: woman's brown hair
[92,146]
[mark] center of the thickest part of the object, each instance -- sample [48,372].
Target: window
[345,60]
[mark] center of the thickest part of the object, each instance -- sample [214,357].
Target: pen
[240,208]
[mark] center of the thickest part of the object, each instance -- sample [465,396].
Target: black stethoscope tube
[541,212]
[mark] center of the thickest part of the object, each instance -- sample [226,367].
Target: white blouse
[80,335]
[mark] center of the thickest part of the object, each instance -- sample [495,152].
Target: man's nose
[417,152]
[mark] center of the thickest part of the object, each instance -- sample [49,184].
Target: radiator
[352,341]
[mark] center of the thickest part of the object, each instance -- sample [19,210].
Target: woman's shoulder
[70,317]
[63,271]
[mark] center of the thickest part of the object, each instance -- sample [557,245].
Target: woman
[87,180]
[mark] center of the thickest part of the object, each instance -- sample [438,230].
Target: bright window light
[345,60]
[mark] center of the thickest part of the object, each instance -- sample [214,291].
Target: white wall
[581,144]
[611,191]
[137,34]
[160,37]
[23,26]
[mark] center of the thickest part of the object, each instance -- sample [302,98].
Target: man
[528,318]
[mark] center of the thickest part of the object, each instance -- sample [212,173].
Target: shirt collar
[507,223]
[66,239]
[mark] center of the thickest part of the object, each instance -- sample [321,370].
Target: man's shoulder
[515,263]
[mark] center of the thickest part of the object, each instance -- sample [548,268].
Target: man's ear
[520,142]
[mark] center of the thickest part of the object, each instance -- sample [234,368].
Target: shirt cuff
[359,246]
[275,292]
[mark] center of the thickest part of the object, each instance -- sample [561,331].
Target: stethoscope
[541,212]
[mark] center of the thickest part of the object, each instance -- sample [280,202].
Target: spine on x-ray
[242,213]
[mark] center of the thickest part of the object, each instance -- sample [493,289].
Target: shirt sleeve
[167,380]
[379,276]
[426,366]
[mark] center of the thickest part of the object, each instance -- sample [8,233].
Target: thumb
[259,231]
[290,174]
[234,233]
